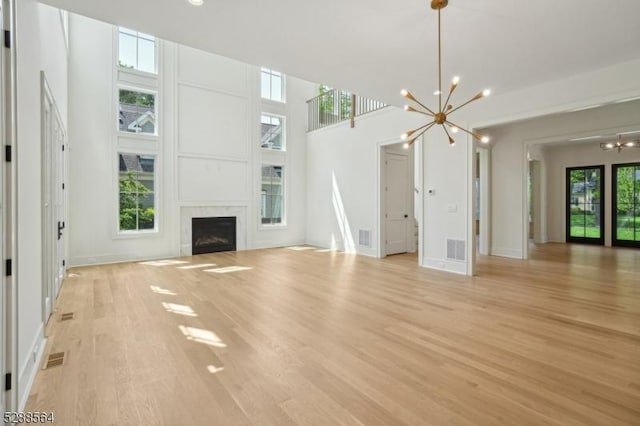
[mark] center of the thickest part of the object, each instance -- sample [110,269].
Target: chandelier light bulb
[455,80]
[407,107]
[485,139]
[630,143]
[406,145]
[437,92]
[609,145]
[404,93]
[196,2]
[404,136]
[454,129]
[486,92]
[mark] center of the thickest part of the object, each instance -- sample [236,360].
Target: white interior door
[398,213]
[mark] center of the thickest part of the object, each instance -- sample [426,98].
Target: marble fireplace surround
[187,213]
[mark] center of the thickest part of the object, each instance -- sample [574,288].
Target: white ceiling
[377,47]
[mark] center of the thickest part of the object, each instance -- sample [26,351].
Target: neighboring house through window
[137,112]
[136,179]
[272,131]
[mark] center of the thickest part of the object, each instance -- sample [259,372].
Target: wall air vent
[364,238]
[456,249]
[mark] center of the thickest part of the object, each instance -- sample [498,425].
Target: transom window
[272,195]
[272,85]
[272,132]
[137,51]
[137,112]
[137,208]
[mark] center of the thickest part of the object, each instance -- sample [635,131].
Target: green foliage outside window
[133,215]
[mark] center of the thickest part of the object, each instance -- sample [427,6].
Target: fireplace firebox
[213,234]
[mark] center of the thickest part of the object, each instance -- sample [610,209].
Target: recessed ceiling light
[196,2]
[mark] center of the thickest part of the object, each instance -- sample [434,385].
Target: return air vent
[364,238]
[456,249]
[54,360]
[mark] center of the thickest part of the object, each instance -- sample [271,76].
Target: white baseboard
[116,258]
[446,265]
[30,367]
[506,252]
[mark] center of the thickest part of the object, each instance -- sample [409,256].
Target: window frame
[283,135]
[156,127]
[156,62]
[283,221]
[615,241]
[283,86]
[584,240]
[132,233]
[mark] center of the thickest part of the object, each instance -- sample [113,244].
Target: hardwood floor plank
[312,337]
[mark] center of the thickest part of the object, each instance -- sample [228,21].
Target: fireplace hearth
[213,234]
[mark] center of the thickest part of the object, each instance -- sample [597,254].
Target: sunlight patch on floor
[196,266]
[165,262]
[161,290]
[199,335]
[213,369]
[228,269]
[179,309]
[300,248]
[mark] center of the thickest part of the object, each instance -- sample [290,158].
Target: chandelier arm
[475,98]
[451,141]
[475,135]
[423,106]
[428,114]
[453,87]
[428,126]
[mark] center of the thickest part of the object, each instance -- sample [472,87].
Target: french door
[585,205]
[626,205]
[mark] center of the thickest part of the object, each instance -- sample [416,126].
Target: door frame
[614,210]
[567,211]
[8,200]
[380,179]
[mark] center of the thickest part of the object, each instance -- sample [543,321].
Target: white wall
[210,154]
[557,159]
[342,185]
[510,145]
[40,45]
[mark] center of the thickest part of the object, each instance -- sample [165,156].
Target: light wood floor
[305,337]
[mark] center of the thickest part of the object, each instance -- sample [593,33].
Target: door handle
[406,216]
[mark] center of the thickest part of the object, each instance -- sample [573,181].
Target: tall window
[137,51]
[626,205]
[272,85]
[272,195]
[137,112]
[272,132]
[585,212]
[137,192]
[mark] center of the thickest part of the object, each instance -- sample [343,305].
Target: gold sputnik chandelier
[620,144]
[445,109]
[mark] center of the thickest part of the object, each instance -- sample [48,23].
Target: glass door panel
[626,205]
[585,212]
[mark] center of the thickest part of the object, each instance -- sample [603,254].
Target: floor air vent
[66,316]
[54,360]
[364,238]
[456,249]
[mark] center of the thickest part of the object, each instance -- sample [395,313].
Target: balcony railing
[335,106]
